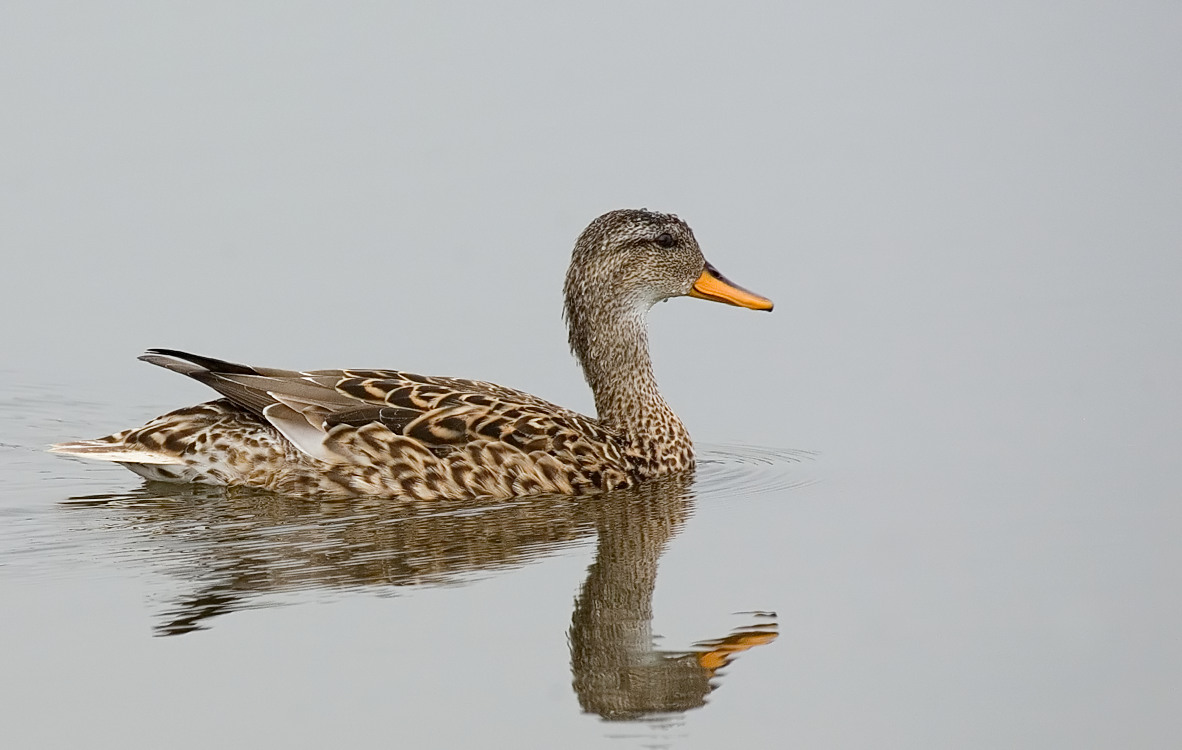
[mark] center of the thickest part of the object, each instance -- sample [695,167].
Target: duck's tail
[113,448]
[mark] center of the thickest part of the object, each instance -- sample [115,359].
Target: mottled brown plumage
[385,432]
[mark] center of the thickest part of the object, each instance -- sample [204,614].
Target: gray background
[967,214]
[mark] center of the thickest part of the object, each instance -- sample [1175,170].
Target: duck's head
[628,260]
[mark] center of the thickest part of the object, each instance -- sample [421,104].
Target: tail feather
[106,450]
[192,364]
[218,374]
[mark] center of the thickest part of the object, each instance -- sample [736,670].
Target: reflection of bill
[617,672]
[722,650]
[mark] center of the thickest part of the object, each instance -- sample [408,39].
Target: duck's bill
[714,286]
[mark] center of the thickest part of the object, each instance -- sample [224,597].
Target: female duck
[386,432]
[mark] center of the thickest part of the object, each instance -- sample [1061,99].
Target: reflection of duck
[237,547]
[617,672]
[383,432]
[240,548]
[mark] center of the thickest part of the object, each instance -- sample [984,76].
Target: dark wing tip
[167,358]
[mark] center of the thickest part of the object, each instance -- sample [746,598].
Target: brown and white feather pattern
[368,432]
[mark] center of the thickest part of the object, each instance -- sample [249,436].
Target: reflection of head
[617,673]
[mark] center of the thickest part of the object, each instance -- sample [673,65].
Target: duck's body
[371,432]
[384,432]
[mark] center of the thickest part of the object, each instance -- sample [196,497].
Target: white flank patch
[293,426]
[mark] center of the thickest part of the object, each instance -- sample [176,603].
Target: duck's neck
[613,350]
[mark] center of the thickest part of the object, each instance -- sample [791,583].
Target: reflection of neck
[617,672]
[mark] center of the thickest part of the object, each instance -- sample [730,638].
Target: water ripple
[733,469]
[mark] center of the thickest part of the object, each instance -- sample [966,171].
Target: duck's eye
[665,239]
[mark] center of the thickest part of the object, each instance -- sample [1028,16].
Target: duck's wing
[441,414]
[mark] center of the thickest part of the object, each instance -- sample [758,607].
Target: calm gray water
[939,504]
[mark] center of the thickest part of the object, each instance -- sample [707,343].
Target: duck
[363,432]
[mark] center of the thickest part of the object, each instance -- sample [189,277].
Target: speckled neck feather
[611,343]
